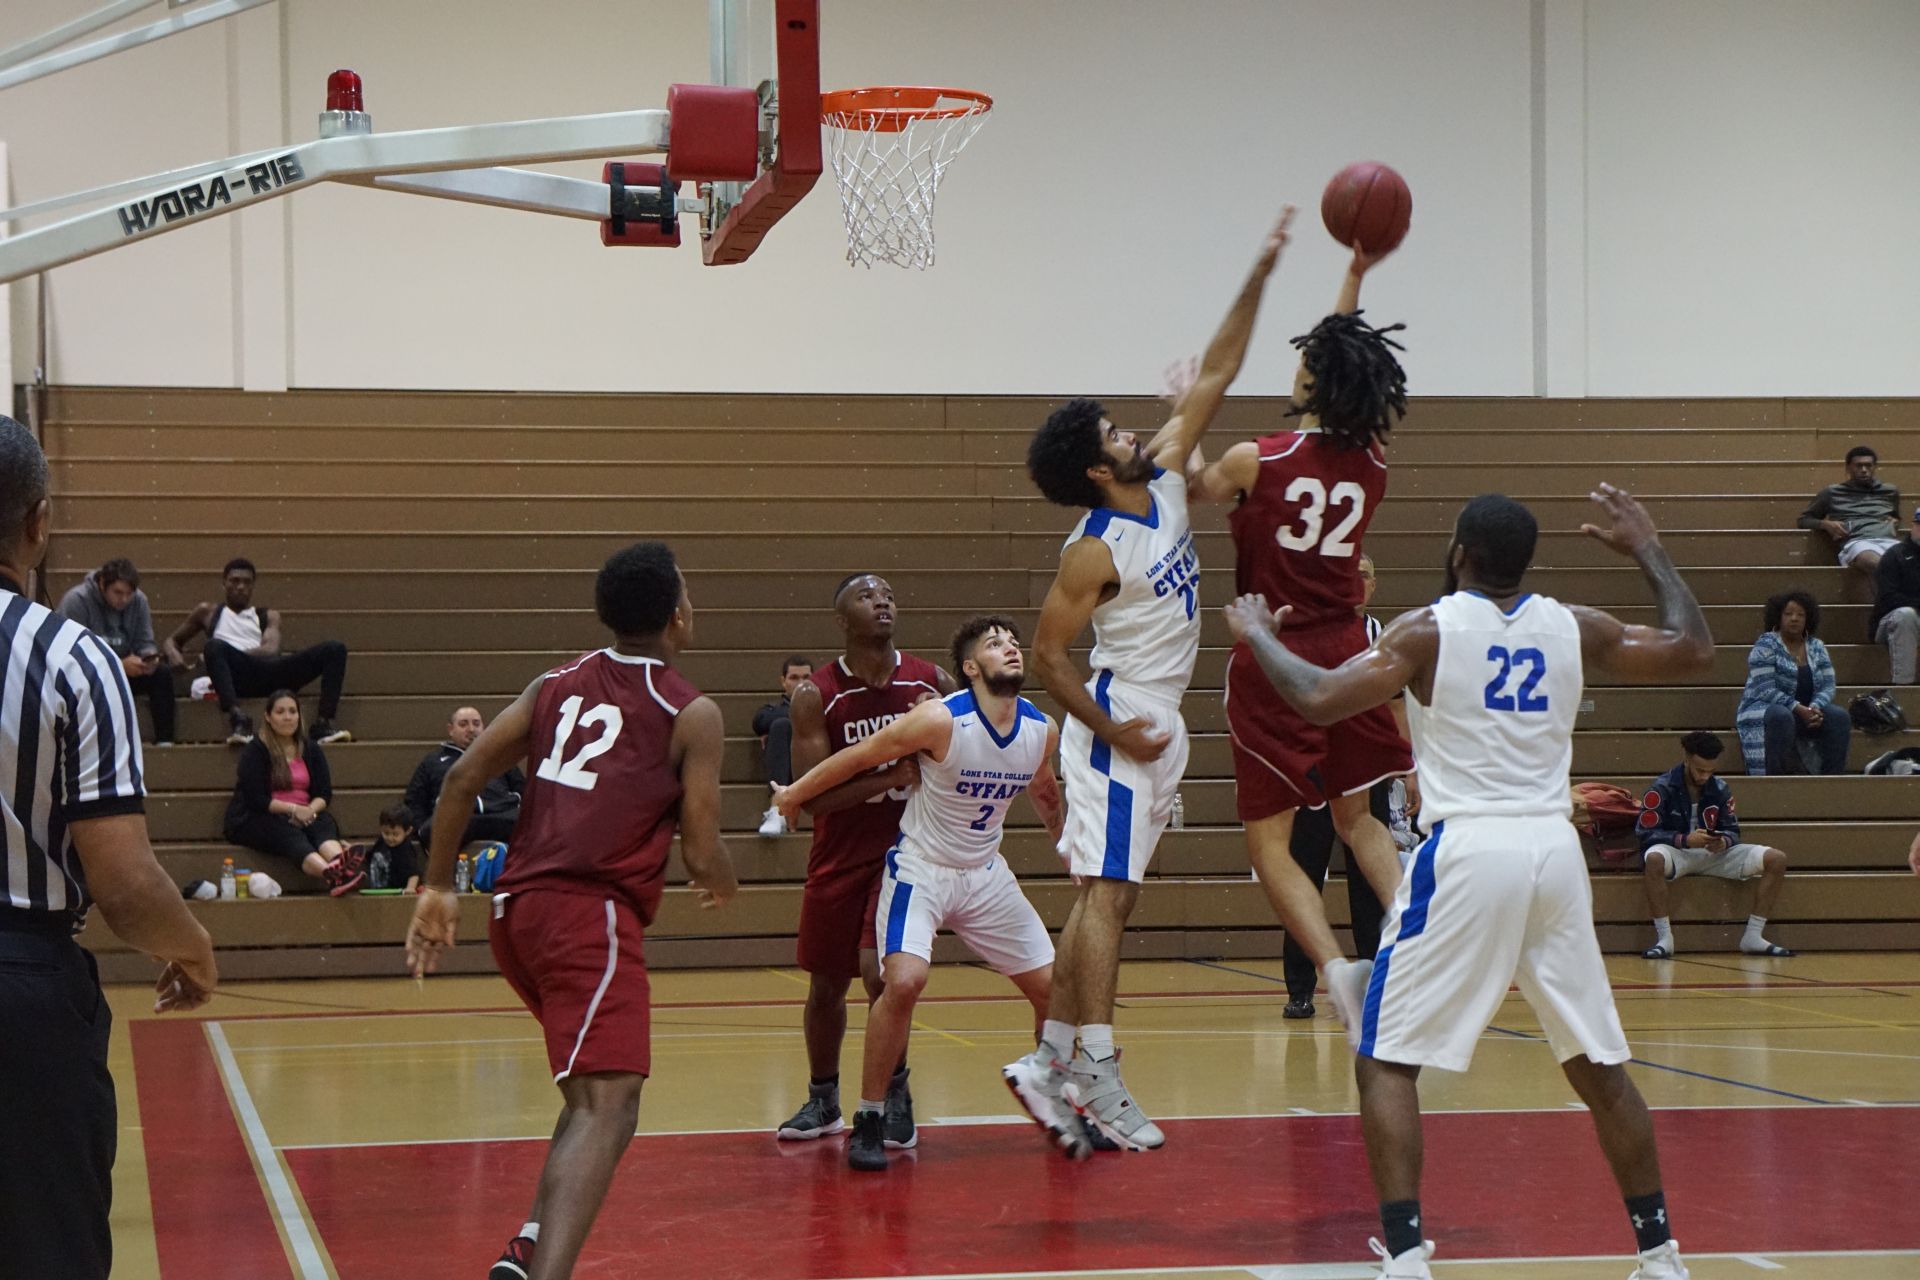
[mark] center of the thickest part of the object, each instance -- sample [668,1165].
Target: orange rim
[891,108]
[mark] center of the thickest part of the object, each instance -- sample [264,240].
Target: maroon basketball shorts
[575,960]
[837,911]
[1274,746]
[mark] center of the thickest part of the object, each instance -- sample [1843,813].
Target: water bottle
[240,883]
[463,875]
[228,890]
[1179,820]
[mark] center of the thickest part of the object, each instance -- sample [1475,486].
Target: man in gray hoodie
[1861,513]
[109,603]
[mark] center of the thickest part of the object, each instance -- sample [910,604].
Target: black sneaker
[899,1129]
[514,1262]
[867,1148]
[1296,1009]
[817,1117]
[239,730]
[326,733]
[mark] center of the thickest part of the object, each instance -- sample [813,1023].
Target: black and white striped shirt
[69,750]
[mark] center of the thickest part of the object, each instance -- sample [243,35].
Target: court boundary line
[293,1217]
[1362,1270]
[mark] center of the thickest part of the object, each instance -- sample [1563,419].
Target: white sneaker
[1411,1265]
[1037,1081]
[1661,1264]
[772,824]
[1101,1097]
[1347,987]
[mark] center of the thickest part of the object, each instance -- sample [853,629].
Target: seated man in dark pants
[110,603]
[774,728]
[496,809]
[244,659]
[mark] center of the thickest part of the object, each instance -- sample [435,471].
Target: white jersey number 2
[574,773]
[1315,500]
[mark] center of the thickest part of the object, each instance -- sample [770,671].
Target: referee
[72,807]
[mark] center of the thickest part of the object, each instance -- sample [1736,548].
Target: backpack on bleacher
[487,863]
[1877,713]
[1606,817]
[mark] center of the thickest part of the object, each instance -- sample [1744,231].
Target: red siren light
[343,92]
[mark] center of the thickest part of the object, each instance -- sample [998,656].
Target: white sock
[1756,925]
[1663,933]
[531,1230]
[1058,1037]
[1096,1040]
[867,1104]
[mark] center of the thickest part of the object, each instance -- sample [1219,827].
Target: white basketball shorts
[1736,862]
[1487,902]
[983,906]
[1116,806]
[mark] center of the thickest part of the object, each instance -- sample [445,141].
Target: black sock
[1649,1217]
[820,1084]
[1400,1219]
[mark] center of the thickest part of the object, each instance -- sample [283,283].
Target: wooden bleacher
[451,541]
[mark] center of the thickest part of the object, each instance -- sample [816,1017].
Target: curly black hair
[1703,744]
[1777,607]
[1358,389]
[969,635]
[638,589]
[1062,450]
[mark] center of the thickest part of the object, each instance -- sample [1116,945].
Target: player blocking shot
[1498,893]
[978,751]
[626,752]
[1130,569]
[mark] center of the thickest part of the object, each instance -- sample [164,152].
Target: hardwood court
[374,1128]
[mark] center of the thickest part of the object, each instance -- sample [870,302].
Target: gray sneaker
[817,1117]
[1037,1081]
[1097,1092]
[898,1126]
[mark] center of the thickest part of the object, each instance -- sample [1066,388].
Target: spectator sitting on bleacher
[1688,827]
[282,790]
[498,807]
[110,603]
[774,728]
[244,659]
[395,860]
[1861,513]
[1896,605]
[1789,698]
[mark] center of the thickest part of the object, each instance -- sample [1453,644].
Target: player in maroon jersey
[627,751]
[854,825]
[1306,498]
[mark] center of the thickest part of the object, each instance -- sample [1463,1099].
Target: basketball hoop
[889,147]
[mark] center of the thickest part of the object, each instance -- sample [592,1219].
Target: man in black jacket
[498,807]
[1896,605]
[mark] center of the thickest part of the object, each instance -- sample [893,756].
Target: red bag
[1607,816]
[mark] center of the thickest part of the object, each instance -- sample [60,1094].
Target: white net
[888,172]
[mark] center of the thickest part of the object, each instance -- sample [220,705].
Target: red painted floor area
[1222,1192]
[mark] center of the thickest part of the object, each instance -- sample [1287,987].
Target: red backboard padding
[714,133]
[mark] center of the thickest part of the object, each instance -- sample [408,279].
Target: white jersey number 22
[1313,515]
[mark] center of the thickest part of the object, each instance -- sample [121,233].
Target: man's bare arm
[1680,644]
[810,747]
[1086,571]
[143,907]
[270,636]
[928,727]
[700,739]
[1234,474]
[184,633]
[1044,790]
[1225,354]
[1408,647]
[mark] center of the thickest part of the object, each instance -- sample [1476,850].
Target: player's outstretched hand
[1365,261]
[1137,741]
[1249,615]
[436,919]
[1631,530]
[1276,240]
[1177,378]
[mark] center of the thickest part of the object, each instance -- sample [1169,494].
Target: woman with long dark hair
[1789,698]
[281,792]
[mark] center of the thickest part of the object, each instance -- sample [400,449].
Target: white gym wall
[1611,197]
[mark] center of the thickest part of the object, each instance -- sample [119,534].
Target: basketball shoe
[898,1127]
[1347,987]
[867,1148]
[1661,1264]
[1038,1081]
[1097,1092]
[514,1261]
[817,1117]
[1411,1265]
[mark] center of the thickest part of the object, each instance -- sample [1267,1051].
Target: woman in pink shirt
[281,791]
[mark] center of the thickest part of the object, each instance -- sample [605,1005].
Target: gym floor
[383,1129]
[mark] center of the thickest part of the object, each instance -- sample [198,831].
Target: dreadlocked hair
[1358,388]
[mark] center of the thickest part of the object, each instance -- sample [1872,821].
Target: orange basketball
[1369,203]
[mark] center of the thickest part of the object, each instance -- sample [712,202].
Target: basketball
[1369,203]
